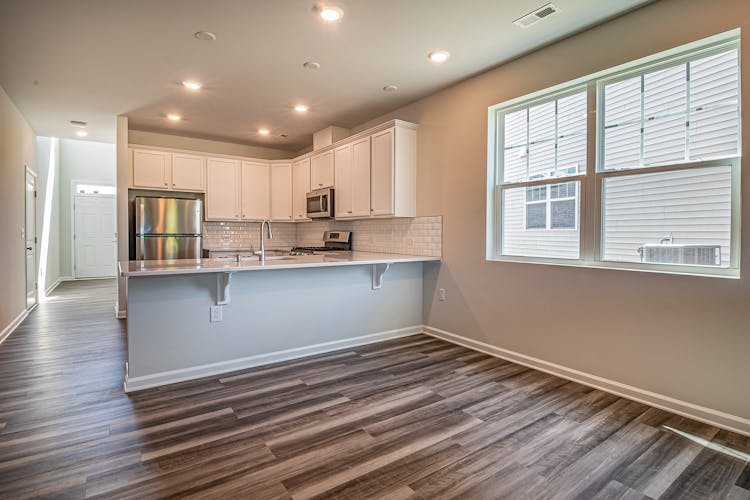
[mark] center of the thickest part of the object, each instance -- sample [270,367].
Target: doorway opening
[29,238]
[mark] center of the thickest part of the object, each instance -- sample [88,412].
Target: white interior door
[29,232]
[95,236]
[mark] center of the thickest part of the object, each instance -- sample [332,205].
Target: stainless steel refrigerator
[167,228]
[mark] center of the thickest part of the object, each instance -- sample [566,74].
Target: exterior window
[684,120]
[542,142]
[560,204]
[681,113]
[667,167]
[540,221]
[545,140]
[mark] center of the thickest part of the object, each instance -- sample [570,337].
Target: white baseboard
[170,377]
[52,287]
[67,278]
[709,416]
[120,314]
[14,324]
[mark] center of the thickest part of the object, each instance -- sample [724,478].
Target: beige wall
[683,337]
[17,150]
[80,161]
[123,176]
[205,145]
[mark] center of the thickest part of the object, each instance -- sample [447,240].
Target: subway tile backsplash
[418,236]
[246,235]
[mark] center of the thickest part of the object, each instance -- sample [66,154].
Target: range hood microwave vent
[536,16]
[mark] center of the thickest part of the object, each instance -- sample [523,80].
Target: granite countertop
[200,266]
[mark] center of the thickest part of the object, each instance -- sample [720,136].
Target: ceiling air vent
[536,16]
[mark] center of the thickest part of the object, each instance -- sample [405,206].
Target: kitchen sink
[254,258]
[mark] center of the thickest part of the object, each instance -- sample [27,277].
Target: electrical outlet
[441,294]
[217,314]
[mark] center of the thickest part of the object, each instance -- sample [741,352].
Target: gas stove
[334,241]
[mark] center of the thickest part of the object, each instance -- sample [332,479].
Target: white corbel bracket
[378,270]
[222,288]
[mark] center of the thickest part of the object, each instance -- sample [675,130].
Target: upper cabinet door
[343,196]
[381,188]
[281,192]
[222,193]
[256,190]
[188,172]
[151,168]
[360,178]
[300,188]
[321,170]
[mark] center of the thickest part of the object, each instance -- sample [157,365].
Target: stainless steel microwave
[320,204]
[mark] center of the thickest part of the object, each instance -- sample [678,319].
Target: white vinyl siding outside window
[666,173]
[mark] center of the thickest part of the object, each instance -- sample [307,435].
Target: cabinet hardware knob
[348,211]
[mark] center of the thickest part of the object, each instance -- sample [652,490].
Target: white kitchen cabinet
[188,172]
[360,178]
[342,159]
[300,188]
[222,189]
[256,190]
[393,178]
[151,168]
[167,171]
[352,162]
[281,192]
[321,170]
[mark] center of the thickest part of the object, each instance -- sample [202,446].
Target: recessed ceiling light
[78,123]
[301,108]
[174,117]
[264,131]
[390,88]
[189,84]
[206,36]
[311,65]
[330,13]
[81,133]
[438,56]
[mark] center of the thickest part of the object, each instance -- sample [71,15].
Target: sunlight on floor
[711,445]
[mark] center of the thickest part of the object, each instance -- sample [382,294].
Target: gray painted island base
[273,315]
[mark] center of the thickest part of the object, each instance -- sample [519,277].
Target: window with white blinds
[667,166]
[683,112]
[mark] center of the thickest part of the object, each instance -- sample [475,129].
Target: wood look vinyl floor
[413,418]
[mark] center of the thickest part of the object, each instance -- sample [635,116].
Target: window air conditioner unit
[691,255]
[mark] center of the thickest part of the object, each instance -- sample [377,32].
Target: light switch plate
[217,314]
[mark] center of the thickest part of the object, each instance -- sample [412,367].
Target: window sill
[725,273]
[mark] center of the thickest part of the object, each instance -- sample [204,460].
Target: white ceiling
[95,59]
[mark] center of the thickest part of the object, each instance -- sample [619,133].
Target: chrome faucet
[262,239]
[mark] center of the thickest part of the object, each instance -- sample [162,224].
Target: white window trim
[590,187]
